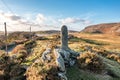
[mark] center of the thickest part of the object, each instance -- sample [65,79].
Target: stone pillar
[64,37]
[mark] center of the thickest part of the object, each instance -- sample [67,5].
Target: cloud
[14,22]
[10,18]
[40,18]
[70,20]
[14,17]
[87,22]
[18,23]
[39,22]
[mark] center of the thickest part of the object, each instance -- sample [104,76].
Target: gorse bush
[114,56]
[42,71]
[11,70]
[110,55]
[90,61]
[18,48]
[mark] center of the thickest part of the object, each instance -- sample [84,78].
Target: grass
[76,44]
[90,61]
[38,69]
[74,73]
[112,66]
[88,41]
[112,40]
[35,53]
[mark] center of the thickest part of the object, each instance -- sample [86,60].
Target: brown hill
[106,28]
[52,32]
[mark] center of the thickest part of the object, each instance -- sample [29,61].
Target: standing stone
[64,37]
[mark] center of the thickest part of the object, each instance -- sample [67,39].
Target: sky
[20,15]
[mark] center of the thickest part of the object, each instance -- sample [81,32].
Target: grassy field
[103,54]
[112,40]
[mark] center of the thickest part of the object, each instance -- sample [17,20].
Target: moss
[112,67]
[88,41]
[74,73]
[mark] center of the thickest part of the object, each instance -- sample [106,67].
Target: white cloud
[10,18]
[18,23]
[39,22]
[68,20]
[14,22]
[13,17]
[87,22]
[40,18]
[73,20]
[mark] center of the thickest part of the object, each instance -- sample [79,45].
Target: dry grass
[10,69]
[87,61]
[39,70]
[18,48]
[112,40]
[91,62]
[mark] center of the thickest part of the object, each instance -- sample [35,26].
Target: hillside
[52,32]
[17,37]
[92,57]
[94,63]
[106,28]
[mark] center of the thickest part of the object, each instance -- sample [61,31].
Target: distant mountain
[47,32]
[106,28]
[52,32]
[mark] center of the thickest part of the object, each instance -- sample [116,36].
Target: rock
[25,66]
[48,57]
[45,55]
[73,53]
[72,62]
[59,60]
[62,76]
[88,48]
[65,54]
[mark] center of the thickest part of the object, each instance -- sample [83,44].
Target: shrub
[42,71]
[10,69]
[56,36]
[18,48]
[90,61]
[114,56]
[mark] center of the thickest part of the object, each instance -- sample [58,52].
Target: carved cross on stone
[64,37]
